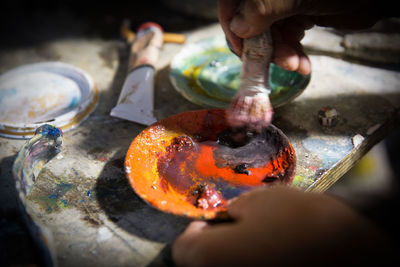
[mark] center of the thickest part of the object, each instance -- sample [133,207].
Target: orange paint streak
[206,167]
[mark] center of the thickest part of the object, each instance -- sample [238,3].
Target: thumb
[259,198]
[183,245]
[251,19]
[256,16]
[239,207]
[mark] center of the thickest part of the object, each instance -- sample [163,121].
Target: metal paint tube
[136,101]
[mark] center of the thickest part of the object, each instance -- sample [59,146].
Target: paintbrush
[251,106]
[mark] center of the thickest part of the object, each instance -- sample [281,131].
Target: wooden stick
[129,35]
[174,38]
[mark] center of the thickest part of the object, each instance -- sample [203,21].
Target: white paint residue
[128,169]
[357,140]
[53,92]
[37,96]
[103,234]
[372,129]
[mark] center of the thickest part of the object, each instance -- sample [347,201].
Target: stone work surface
[82,195]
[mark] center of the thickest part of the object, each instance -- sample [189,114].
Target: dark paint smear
[238,149]
[178,151]
[240,146]
[242,168]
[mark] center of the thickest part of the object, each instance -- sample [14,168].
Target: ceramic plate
[48,92]
[207,73]
[192,163]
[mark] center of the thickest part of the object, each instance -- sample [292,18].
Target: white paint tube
[136,101]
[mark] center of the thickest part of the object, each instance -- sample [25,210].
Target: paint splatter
[56,200]
[302,182]
[329,152]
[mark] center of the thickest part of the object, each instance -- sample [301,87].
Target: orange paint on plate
[175,165]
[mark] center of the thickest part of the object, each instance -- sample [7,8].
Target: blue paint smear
[60,190]
[330,153]
[7,92]
[75,171]
[64,202]
[74,102]
[228,190]
[48,130]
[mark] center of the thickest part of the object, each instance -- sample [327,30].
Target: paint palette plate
[48,92]
[207,73]
[192,163]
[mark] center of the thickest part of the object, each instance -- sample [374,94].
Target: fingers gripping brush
[251,106]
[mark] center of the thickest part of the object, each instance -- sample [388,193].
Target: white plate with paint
[48,92]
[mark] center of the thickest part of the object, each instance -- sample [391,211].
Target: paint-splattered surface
[84,196]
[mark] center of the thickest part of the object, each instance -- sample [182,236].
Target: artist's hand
[281,226]
[288,21]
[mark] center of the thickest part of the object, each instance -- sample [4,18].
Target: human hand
[280,226]
[288,21]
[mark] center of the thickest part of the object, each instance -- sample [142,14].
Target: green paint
[52,193]
[55,193]
[51,204]
[302,182]
[54,201]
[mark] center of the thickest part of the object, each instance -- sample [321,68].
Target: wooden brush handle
[256,57]
[174,38]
